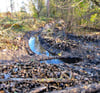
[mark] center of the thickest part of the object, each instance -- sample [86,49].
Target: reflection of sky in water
[53,61]
[38,49]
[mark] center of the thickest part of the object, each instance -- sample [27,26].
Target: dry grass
[13,32]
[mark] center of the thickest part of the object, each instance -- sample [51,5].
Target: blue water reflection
[36,47]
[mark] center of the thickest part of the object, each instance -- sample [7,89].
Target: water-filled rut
[36,47]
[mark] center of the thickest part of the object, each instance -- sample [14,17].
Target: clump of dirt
[5,26]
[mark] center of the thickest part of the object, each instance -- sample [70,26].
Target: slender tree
[11,5]
[48,8]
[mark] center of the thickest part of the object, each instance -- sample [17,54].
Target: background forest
[85,13]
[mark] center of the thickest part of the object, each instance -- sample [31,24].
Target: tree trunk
[48,12]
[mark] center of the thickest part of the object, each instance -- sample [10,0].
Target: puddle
[36,47]
[53,61]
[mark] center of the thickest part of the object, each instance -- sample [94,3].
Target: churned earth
[79,72]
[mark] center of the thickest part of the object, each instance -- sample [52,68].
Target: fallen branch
[38,90]
[36,80]
[91,88]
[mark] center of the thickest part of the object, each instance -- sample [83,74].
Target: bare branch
[96,3]
[72,6]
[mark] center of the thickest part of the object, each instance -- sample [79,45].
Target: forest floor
[11,37]
[22,72]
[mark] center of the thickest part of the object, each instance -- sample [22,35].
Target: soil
[15,55]
[9,55]
[28,75]
[78,46]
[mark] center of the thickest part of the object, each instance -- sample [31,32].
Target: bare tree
[11,5]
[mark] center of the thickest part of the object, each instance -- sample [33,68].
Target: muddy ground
[28,75]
